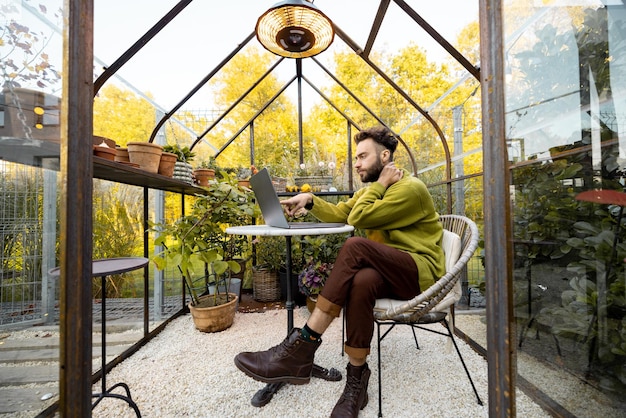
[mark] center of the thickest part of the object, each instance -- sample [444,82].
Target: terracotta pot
[167,163]
[203,175]
[98,140]
[244,183]
[104,152]
[121,155]
[208,318]
[146,154]
[310,303]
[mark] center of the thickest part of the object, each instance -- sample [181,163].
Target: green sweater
[402,216]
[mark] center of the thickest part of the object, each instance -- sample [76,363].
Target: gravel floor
[184,372]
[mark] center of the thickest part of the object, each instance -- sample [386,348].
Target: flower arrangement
[244,173]
[313,278]
[320,168]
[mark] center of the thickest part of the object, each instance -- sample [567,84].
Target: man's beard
[372,174]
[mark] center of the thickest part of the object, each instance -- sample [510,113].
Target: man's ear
[385,156]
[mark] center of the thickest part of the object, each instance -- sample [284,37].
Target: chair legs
[413,326]
[380,384]
[445,322]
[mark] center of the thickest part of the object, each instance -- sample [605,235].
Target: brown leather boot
[354,396]
[290,362]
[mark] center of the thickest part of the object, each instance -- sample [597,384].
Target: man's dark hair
[381,135]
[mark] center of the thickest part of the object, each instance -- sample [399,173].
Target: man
[400,257]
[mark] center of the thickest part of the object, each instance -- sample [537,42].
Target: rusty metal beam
[440,39]
[378,21]
[75,357]
[235,103]
[256,115]
[123,59]
[497,210]
[199,86]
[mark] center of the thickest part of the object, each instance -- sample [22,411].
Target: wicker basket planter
[280,184]
[265,285]
[210,318]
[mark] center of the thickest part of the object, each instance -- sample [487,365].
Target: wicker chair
[459,242]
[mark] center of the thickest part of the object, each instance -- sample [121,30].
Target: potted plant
[182,167]
[312,279]
[205,172]
[305,252]
[167,164]
[146,154]
[244,174]
[318,253]
[205,254]
[270,257]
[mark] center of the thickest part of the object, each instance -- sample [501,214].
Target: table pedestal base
[265,395]
[107,394]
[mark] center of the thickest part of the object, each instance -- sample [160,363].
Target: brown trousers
[363,272]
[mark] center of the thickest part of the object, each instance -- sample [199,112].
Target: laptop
[272,210]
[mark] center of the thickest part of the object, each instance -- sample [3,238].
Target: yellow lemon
[305,188]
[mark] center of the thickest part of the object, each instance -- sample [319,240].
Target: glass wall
[565,104]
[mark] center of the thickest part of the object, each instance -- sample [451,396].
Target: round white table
[264,396]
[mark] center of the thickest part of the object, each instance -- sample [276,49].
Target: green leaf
[220,266]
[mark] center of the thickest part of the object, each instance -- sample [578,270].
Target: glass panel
[30,98]
[565,101]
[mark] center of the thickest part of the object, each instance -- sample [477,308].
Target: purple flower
[312,279]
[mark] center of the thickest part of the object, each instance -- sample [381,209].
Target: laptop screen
[271,208]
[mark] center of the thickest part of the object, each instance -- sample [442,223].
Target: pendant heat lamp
[295,29]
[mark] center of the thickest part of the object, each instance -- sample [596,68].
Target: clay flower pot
[210,318]
[121,155]
[203,175]
[146,154]
[104,152]
[167,163]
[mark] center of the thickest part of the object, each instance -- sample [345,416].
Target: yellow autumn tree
[274,129]
[122,116]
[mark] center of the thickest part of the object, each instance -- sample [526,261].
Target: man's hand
[390,174]
[294,204]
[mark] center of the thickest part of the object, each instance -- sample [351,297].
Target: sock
[309,335]
[358,368]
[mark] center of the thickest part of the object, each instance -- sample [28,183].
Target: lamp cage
[295,29]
